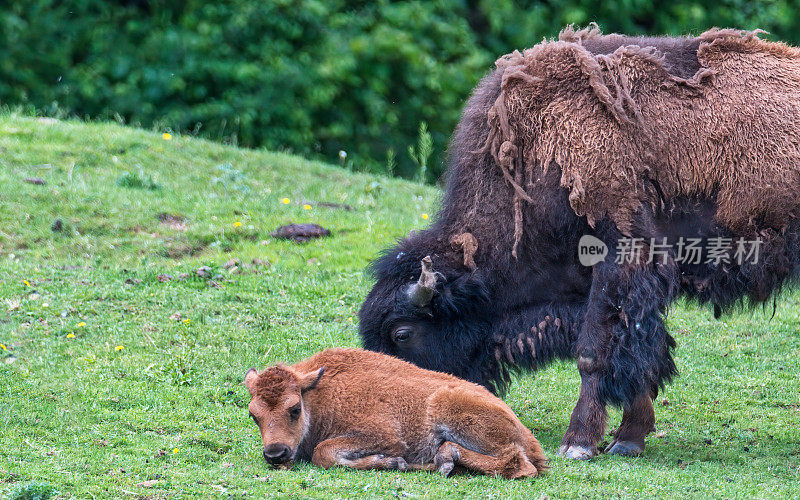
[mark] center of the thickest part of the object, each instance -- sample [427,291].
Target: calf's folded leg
[511,462]
[467,421]
[360,452]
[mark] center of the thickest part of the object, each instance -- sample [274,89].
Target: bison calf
[368,410]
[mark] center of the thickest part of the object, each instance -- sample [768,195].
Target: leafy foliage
[311,76]
[33,491]
[421,154]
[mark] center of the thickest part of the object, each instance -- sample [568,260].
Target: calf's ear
[250,378]
[311,379]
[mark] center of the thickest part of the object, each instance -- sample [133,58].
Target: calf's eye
[402,334]
[295,411]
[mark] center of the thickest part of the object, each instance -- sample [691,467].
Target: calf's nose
[277,453]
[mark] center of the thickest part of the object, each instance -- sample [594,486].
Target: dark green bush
[309,76]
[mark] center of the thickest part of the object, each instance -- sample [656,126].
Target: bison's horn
[421,292]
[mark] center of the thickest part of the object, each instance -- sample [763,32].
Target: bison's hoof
[444,463]
[576,452]
[445,468]
[625,448]
[397,463]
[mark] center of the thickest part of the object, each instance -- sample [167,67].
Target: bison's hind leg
[637,422]
[511,462]
[480,433]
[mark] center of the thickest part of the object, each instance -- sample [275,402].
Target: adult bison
[662,145]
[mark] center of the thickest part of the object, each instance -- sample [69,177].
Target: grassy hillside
[115,383]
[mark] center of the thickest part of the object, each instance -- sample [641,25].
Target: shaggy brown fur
[372,411]
[467,244]
[717,115]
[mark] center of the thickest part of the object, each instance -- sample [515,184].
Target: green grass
[114,384]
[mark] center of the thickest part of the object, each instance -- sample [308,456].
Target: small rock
[176,316]
[204,272]
[133,281]
[235,270]
[218,277]
[232,263]
[184,276]
[163,278]
[57,226]
[36,180]
[150,483]
[261,262]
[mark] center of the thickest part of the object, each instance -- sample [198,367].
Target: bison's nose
[277,453]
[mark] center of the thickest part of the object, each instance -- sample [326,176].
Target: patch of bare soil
[172,221]
[300,233]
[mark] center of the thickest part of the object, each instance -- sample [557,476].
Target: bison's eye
[294,411]
[402,334]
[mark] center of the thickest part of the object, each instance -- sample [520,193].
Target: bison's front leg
[623,348]
[588,421]
[359,452]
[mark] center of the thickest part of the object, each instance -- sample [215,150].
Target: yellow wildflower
[425,216]
[3,346]
[187,321]
[176,450]
[237,224]
[286,201]
[119,348]
[166,136]
[306,207]
[26,282]
[81,324]
[70,335]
